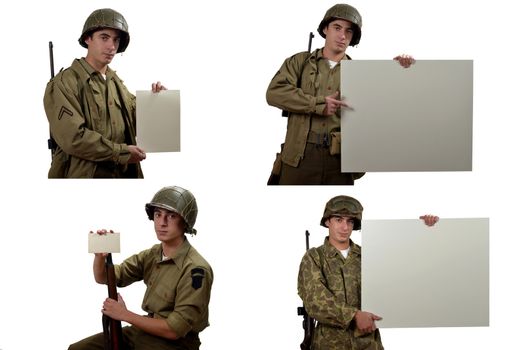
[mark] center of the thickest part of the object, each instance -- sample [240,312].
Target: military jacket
[177,289]
[329,286]
[300,87]
[87,127]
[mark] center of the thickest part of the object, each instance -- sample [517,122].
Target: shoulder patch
[197,275]
[64,110]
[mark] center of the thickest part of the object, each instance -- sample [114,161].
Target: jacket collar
[332,251]
[82,67]
[317,55]
[180,254]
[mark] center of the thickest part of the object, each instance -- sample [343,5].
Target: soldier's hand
[102,231]
[365,321]
[115,309]
[405,60]
[137,154]
[157,87]
[429,220]
[332,104]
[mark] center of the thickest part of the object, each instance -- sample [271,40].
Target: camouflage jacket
[77,126]
[329,286]
[300,87]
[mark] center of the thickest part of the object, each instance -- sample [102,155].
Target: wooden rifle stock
[308,324]
[112,328]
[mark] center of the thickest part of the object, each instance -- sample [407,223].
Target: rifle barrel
[51,60]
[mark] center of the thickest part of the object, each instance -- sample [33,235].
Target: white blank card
[407,119]
[419,276]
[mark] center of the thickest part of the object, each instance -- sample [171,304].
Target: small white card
[106,243]
[158,120]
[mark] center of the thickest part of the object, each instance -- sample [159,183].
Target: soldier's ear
[326,222]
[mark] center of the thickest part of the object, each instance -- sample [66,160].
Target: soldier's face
[169,226]
[338,35]
[340,228]
[102,45]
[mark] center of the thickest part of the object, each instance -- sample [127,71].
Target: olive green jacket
[178,288]
[77,128]
[296,88]
[329,286]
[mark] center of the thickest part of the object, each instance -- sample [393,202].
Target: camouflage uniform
[329,286]
[178,290]
[92,121]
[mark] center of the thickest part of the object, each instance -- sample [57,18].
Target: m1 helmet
[343,206]
[178,200]
[345,12]
[106,18]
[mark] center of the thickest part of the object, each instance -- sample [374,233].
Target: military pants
[318,167]
[136,339]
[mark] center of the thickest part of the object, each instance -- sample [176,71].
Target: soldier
[329,282]
[307,87]
[178,281]
[90,111]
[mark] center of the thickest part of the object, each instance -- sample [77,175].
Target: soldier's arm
[191,302]
[320,302]
[283,91]
[68,126]
[119,311]
[131,269]
[192,299]
[99,270]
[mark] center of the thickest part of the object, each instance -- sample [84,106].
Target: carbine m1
[308,323]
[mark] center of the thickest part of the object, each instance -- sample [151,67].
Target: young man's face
[169,226]
[102,45]
[340,228]
[338,35]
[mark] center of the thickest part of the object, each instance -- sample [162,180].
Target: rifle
[308,323]
[112,328]
[51,144]
[311,36]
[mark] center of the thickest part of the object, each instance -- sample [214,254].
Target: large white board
[158,120]
[414,119]
[419,276]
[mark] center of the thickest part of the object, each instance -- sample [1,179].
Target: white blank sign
[419,276]
[414,119]
[158,120]
[107,243]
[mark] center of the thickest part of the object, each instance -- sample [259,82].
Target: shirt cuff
[121,154]
[180,326]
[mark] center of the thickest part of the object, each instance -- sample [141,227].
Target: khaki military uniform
[92,121]
[178,291]
[300,87]
[329,286]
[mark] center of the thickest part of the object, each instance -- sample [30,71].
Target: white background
[222,55]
